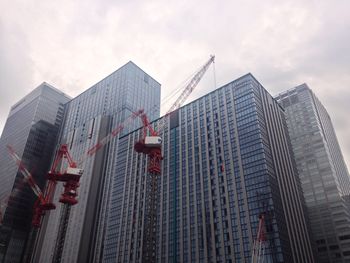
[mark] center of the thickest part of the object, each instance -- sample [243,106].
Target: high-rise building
[91,116]
[324,177]
[227,160]
[31,129]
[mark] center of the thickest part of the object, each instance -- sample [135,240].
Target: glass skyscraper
[91,116]
[227,160]
[324,176]
[31,129]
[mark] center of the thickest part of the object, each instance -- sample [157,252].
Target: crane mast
[72,176]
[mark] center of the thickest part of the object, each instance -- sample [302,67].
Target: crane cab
[75,171]
[153,141]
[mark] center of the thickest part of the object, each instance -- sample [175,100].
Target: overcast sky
[74,44]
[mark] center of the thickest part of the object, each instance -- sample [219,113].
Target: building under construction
[212,181]
[91,116]
[227,176]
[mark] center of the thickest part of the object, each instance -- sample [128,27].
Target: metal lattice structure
[154,152]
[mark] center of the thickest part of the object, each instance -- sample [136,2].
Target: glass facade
[322,171]
[31,129]
[224,165]
[91,116]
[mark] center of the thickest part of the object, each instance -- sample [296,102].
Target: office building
[227,160]
[323,174]
[91,116]
[31,129]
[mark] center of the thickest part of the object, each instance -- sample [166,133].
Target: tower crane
[72,182]
[42,204]
[70,177]
[150,144]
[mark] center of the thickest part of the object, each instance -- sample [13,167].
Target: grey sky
[73,44]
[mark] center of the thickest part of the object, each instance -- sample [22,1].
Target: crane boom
[91,151]
[27,175]
[191,85]
[186,92]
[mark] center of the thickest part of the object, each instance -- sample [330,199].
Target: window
[146,78]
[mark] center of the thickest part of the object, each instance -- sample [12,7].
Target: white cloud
[73,44]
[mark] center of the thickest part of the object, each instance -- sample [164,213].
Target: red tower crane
[71,178]
[150,144]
